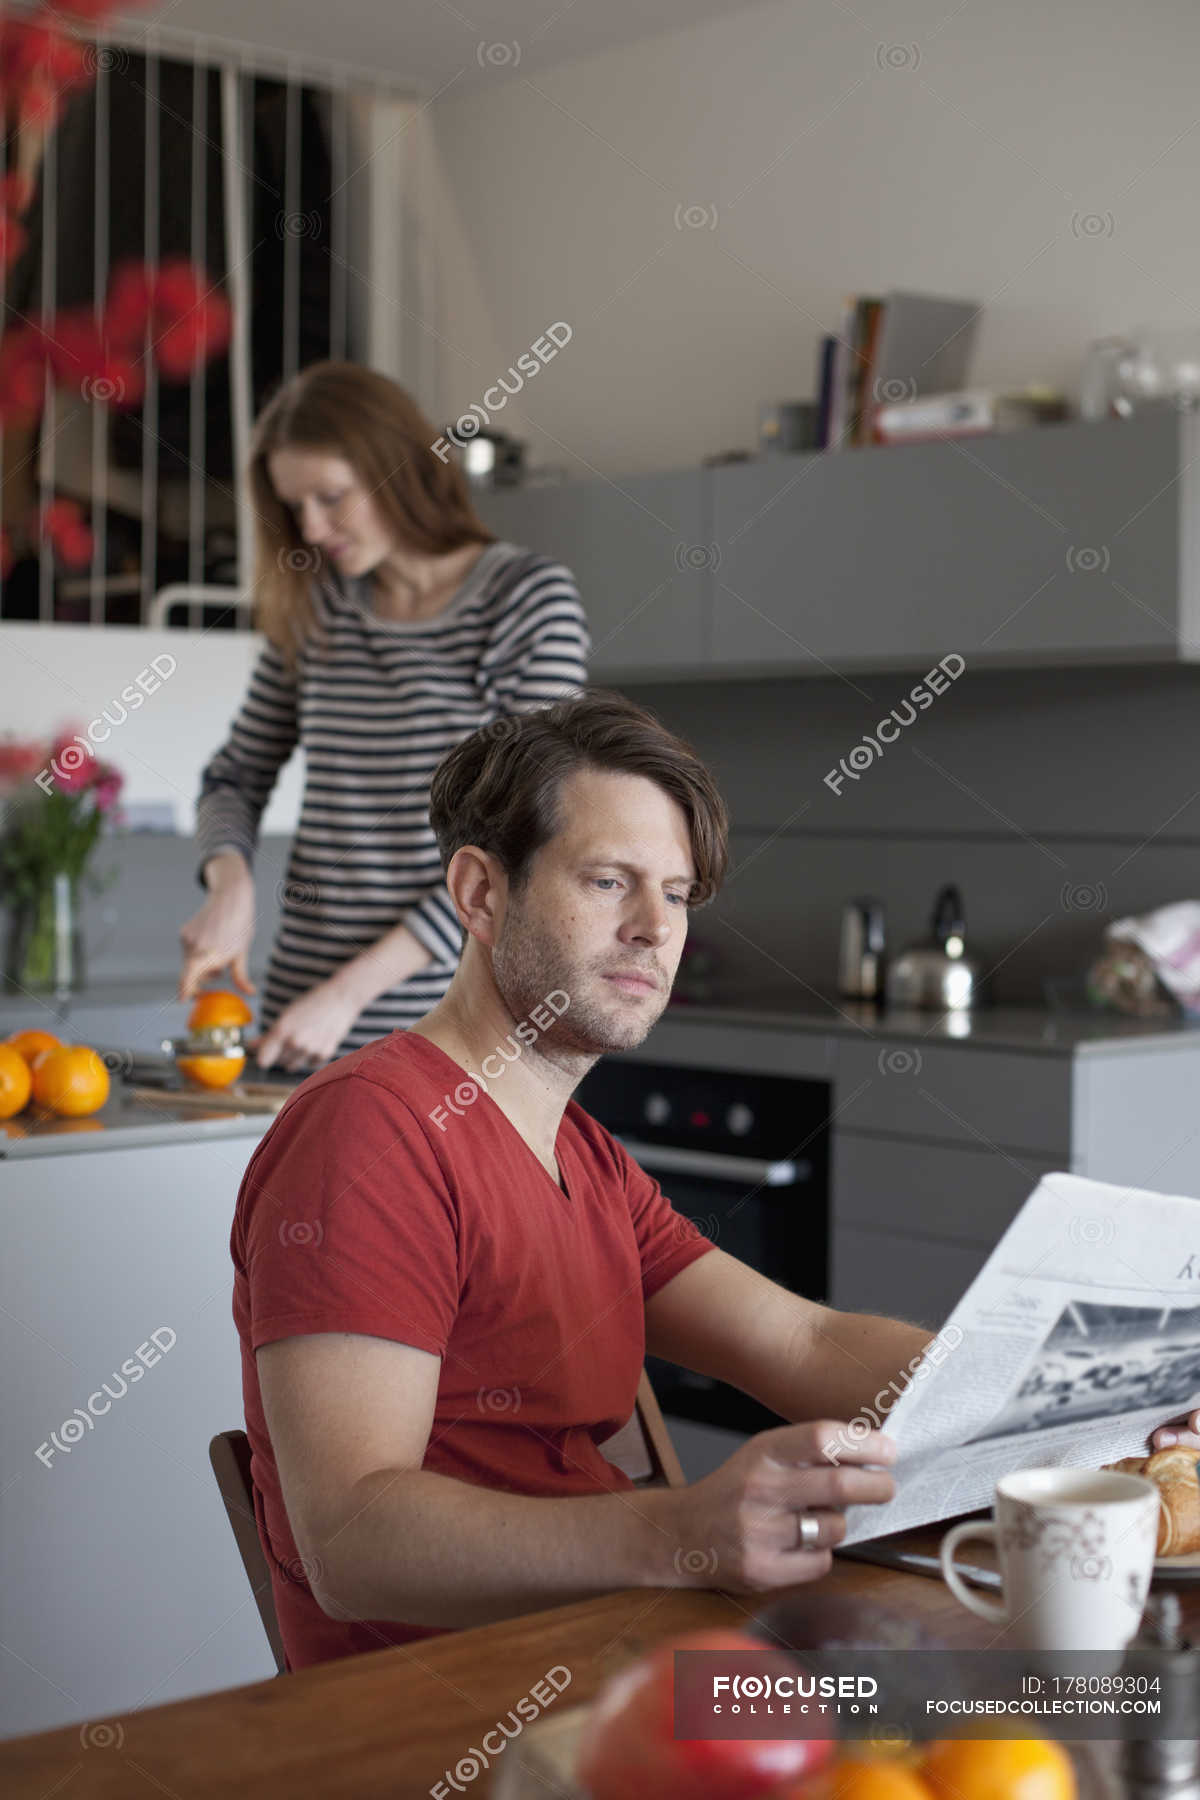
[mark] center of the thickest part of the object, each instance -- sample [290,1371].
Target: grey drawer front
[980,1097]
[904,1278]
[940,1190]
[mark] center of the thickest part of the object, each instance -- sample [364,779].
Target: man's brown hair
[500,788]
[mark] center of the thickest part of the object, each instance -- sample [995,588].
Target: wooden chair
[229,1454]
[642,1449]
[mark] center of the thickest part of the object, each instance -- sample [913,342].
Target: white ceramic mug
[1076,1549]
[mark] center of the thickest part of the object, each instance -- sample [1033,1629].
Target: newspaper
[1077,1339]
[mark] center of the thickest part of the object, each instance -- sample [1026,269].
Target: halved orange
[212,1071]
[16,1082]
[219,1006]
[70,1080]
[32,1042]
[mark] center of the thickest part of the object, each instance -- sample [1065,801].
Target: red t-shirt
[361,1212]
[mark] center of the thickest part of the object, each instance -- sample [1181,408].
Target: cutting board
[242,1096]
[540,1764]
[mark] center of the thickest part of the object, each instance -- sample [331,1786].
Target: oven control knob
[739,1118]
[657,1109]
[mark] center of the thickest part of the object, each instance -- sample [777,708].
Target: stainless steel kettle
[938,974]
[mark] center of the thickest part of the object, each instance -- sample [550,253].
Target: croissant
[1174,1474]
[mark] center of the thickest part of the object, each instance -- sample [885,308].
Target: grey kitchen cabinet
[1065,542]
[935,1150]
[985,1097]
[913,1222]
[1060,544]
[942,1192]
[638,550]
[901,1277]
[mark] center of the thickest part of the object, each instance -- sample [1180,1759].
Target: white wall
[54,677]
[1041,158]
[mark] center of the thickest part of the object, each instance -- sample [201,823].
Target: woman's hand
[1184,1431]
[309,1031]
[220,934]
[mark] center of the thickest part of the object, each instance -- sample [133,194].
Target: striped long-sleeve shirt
[375,709]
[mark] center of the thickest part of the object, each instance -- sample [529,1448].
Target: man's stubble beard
[528,964]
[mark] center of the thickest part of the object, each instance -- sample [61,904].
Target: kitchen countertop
[1025,1028]
[794,1007]
[121,1124]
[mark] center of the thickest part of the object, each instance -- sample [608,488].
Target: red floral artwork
[172,317]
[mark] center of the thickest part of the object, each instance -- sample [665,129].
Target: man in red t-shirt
[448,1275]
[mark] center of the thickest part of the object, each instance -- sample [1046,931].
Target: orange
[16,1083]
[861,1773]
[32,1042]
[218,1007]
[212,1071]
[999,1769]
[857,1777]
[70,1080]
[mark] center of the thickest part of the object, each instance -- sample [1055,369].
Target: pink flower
[72,762]
[108,786]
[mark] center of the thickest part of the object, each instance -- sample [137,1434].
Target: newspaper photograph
[1078,1338]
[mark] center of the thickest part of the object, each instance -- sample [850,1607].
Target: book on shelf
[889,350]
[972,412]
[825,356]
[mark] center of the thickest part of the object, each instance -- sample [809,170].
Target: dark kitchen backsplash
[1054,799]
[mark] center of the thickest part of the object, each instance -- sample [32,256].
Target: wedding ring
[810,1531]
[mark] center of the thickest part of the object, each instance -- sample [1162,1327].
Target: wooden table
[392,1723]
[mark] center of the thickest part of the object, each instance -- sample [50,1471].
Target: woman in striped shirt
[396,625]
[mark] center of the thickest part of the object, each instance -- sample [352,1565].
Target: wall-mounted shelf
[1064,544]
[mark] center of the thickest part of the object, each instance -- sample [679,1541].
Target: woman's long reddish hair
[345,410]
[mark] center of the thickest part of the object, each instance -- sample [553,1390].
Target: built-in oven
[746,1158]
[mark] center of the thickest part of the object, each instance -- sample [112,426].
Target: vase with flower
[55,803]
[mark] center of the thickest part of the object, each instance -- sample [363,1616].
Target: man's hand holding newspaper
[1077,1344]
